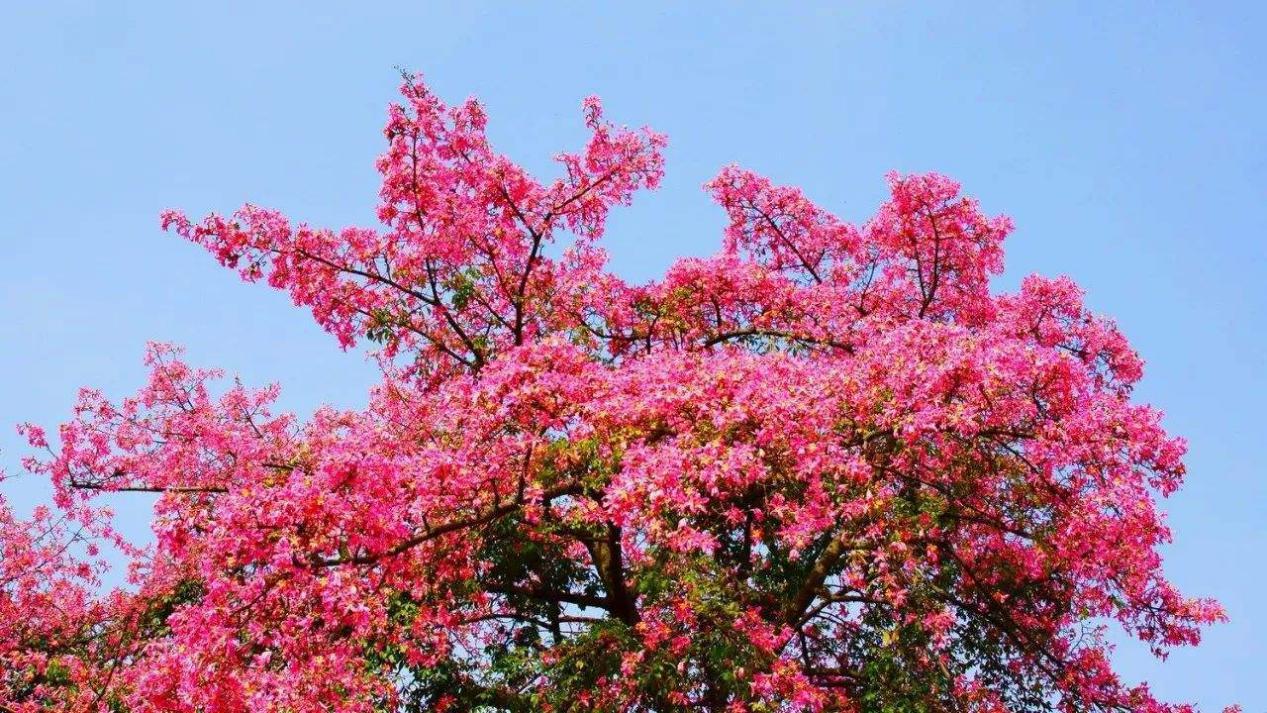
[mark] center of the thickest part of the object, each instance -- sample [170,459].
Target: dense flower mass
[825,469]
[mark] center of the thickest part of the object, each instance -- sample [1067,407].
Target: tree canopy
[825,469]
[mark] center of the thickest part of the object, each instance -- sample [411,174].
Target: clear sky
[1127,140]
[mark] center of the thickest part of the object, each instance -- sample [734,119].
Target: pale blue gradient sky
[1126,140]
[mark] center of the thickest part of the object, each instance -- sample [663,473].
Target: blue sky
[1125,139]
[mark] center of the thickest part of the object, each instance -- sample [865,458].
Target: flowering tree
[824,470]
